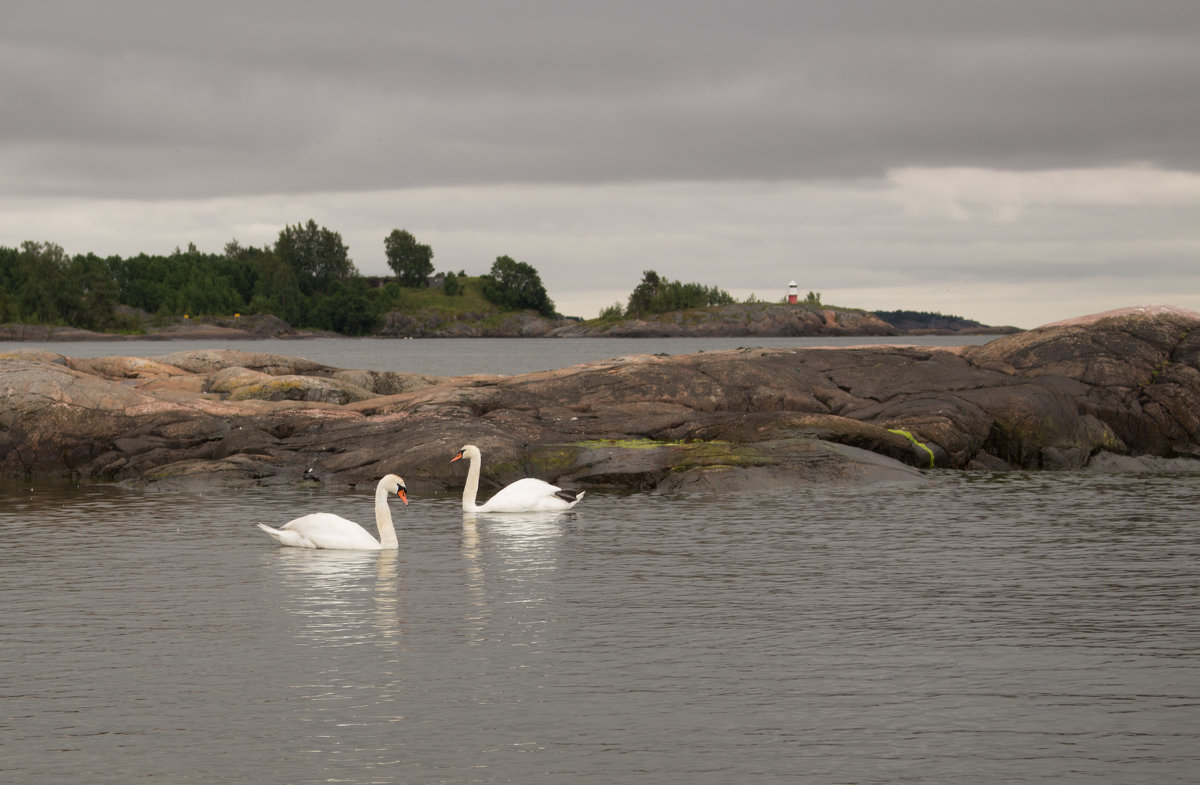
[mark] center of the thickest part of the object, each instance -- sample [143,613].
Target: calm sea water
[978,628]
[968,628]
[458,356]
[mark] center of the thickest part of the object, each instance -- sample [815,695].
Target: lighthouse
[793,295]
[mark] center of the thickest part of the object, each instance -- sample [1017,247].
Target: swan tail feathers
[284,537]
[273,532]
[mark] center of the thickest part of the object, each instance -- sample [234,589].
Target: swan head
[469,451]
[395,484]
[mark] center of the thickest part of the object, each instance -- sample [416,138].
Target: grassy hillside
[469,299]
[432,312]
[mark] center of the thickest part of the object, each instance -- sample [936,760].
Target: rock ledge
[1118,390]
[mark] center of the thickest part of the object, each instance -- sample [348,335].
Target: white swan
[527,495]
[326,530]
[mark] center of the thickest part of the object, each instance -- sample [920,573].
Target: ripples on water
[973,628]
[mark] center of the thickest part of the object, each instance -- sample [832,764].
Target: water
[970,628]
[459,356]
[982,628]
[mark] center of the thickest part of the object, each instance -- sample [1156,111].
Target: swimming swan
[527,495]
[326,530]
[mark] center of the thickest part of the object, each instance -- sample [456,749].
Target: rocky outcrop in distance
[738,320]
[430,323]
[201,328]
[1120,389]
[735,321]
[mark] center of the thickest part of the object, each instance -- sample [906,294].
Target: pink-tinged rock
[1062,396]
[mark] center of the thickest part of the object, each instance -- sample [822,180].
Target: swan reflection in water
[521,530]
[324,586]
[501,553]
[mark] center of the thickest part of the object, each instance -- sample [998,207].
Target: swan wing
[326,530]
[530,495]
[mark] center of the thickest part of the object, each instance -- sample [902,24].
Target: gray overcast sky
[1015,162]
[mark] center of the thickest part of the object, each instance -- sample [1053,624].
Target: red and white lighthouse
[793,294]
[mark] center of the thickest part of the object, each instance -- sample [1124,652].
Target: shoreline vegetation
[306,285]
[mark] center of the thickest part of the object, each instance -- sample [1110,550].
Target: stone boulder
[1131,375]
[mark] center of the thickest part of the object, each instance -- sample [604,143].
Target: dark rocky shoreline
[1120,390]
[209,328]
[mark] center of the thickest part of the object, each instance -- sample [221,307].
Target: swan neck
[383,520]
[471,489]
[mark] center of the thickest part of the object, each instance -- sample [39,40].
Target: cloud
[1001,247]
[160,101]
[1015,163]
[987,195]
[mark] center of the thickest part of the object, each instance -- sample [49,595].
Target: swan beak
[457,457]
[402,493]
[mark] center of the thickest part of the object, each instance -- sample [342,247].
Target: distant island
[305,285]
[784,320]
[732,320]
[937,323]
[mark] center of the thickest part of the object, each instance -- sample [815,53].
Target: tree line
[306,279]
[656,294]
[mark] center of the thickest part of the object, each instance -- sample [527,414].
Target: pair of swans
[326,530]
